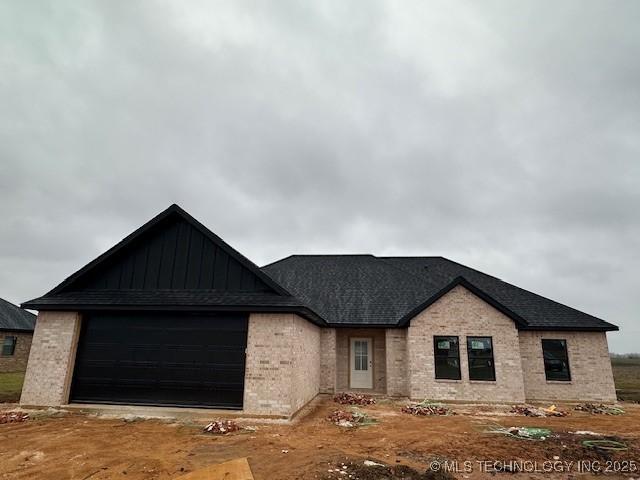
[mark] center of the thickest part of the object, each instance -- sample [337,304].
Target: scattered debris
[529,411]
[222,427]
[586,432]
[369,470]
[13,417]
[346,398]
[285,451]
[354,418]
[601,409]
[525,433]
[427,407]
[608,445]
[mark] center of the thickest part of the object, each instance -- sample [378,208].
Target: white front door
[361,363]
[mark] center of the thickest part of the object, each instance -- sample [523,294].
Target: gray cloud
[502,135]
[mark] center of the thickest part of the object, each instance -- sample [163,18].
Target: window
[8,346]
[556,360]
[447,356]
[480,353]
[361,353]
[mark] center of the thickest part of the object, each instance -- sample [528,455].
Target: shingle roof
[172,299]
[14,318]
[388,291]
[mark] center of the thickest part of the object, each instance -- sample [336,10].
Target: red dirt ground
[77,446]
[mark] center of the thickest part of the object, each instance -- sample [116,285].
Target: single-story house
[172,315]
[16,330]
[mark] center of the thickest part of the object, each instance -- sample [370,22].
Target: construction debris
[351,419]
[346,398]
[586,432]
[529,411]
[601,409]
[524,433]
[427,408]
[608,445]
[222,427]
[13,417]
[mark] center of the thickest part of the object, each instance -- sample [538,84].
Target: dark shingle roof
[387,291]
[14,318]
[172,299]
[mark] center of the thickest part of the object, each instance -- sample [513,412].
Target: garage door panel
[161,359]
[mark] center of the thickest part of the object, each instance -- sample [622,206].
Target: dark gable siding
[174,255]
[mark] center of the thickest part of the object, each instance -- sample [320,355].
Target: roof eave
[551,328]
[87,307]
[461,281]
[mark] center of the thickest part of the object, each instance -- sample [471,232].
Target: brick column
[396,358]
[328,359]
[51,361]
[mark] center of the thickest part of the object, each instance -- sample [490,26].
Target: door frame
[372,359]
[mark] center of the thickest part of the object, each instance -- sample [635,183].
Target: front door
[361,363]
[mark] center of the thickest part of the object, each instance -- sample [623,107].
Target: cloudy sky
[504,135]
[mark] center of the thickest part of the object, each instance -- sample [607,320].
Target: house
[172,315]
[16,330]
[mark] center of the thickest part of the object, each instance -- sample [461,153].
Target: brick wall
[343,361]
[18,361]
[282,365]
[589,363]
[396,358]
[461,313]
[328,360]
[305,351]
[51,360]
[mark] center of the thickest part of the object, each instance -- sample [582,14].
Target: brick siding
[589,364]
[51,359]
[18,361]
[328,360]
[462,313]
[289,360]
[396,358]
[343,365]
[283,364]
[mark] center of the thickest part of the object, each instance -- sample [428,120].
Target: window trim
[13,345]
[493,360]
[544,360]
[436,356]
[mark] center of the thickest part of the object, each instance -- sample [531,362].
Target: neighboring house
[16,330]
[172,315]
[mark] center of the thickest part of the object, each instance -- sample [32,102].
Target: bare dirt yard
[78,446]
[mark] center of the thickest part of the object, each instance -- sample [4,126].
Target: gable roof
[173,211]
[363,290]
[14,318]
[100,284]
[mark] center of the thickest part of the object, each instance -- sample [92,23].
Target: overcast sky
[503,135]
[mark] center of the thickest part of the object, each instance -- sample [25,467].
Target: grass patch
[11,386]
[626,373]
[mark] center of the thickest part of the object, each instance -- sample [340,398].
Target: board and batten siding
[173,255]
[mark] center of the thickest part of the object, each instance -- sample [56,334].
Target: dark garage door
[161,359]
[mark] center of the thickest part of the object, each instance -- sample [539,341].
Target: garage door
[161,359]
